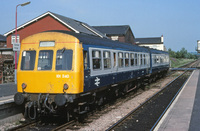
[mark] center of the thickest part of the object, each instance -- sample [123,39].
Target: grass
[179,62]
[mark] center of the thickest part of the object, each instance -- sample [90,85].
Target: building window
[114,38]
[107,60]
[13,39]
[120,59]
[96,59]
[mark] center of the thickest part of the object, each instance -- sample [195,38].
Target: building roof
[113,30]
[152,40]
[2,38]
[74,25]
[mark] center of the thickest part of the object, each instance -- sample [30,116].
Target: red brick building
[45,22]
[50,21]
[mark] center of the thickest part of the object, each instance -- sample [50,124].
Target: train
[65,73]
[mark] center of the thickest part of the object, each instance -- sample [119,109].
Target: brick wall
[44,24]
[6,69]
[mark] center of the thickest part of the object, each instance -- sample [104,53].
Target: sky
[177,20]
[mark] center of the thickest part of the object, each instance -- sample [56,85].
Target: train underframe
[68,106]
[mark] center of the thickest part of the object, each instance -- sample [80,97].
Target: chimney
[162,39]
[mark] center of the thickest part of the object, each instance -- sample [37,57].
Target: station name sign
[16,46]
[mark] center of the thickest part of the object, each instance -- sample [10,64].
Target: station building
[152,42]
[50,21]
[121,33]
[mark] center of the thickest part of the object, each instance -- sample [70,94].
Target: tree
[172,53]
[183,53]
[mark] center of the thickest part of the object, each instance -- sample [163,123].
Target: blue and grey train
[64,70]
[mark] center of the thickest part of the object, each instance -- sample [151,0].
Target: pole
[24,4]
[16,42]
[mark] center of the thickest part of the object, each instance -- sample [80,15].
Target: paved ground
[184,113]
[8,89]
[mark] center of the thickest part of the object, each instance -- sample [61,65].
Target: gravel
[111,117]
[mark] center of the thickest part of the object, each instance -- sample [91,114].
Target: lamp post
[24,4]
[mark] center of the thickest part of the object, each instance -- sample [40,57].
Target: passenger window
[107,60]
[154,57]
[120,59]
[96,59]
[157,59]
[126,59]
[136,63]
[28,60]
[45,60]
[64,59]
[141,59]
[161,59]
[132,59]
[85,59]
[144,59]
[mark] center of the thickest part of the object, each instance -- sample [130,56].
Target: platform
[7,92]
[184,113]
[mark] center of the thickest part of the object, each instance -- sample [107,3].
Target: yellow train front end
[50,70]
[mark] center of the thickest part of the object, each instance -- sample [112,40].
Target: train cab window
[28,60]
[96,59]
[120,60]
[85,59]
[132,59]
[136,63]
[126,59]
[64,59]
[45,60]
[107,60]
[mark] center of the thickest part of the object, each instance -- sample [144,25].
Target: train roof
[102,42]
[88,40]
[157,51]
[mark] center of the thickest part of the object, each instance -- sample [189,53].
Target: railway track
[148,114]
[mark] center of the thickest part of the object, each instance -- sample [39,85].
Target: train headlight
[24,86]
[65,86]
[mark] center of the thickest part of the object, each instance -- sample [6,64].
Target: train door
[86,70]
[114,61]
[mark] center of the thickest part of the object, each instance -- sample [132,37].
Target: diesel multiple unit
[64,72]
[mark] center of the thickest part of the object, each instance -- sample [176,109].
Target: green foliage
[181,54]
[177,62]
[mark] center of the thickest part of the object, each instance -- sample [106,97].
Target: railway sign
[16,46]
